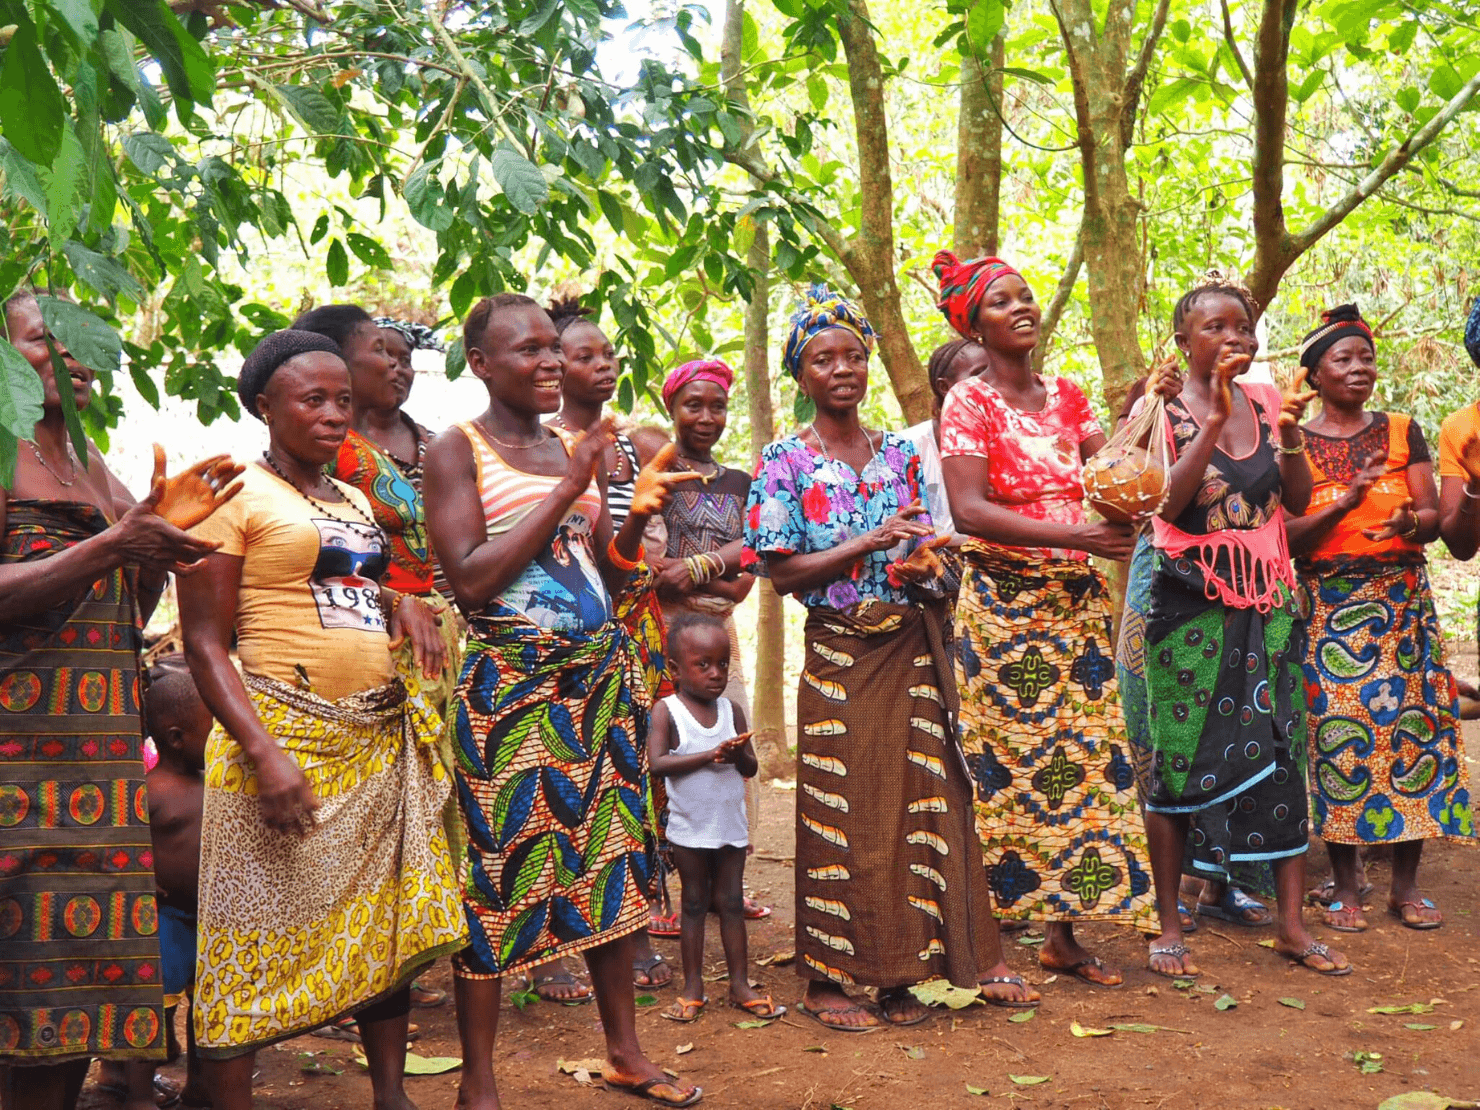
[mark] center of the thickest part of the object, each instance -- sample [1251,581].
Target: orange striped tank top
[561,589]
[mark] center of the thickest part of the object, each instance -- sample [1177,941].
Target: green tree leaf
[368,251]
[20,178]
[336,263]
[32,111]
[79,18]
[21,394]
[187,70]
[62,182]
[89,340]
[520,179]
[149,150]
[102,273]
[312,108]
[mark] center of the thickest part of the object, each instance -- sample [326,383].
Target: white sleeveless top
[706,807]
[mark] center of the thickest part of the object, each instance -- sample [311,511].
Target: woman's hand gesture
[149,540]
[901,526]
[1165,380]
[1293,399]
[287,801]
[418,622]
[589,450]
[1372,469]
[655,482]
[194,494]
[1402,521]
[1230,365]
[1469,457]
[922,564]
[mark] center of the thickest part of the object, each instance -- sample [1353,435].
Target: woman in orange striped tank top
[550,714]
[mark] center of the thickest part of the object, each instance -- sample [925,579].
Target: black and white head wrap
[275,349]
[418,337]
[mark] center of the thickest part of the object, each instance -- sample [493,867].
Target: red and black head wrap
[1336,323]
[963,285]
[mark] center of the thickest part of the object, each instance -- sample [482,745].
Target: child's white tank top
[706,807]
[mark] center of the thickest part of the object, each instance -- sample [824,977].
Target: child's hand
[729,750]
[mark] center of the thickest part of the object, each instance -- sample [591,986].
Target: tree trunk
[768,701]
[979,154]
[870,256]
[1106,96]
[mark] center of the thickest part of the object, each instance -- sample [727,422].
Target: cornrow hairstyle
[478,316]
[689,622]
[1213,283]
[333,321]
[565,311]
[942,358]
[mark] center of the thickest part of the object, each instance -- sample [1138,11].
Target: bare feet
[472,1095]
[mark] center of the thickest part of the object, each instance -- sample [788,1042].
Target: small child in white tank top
[697,741]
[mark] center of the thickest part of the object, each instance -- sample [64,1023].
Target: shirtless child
[179,724]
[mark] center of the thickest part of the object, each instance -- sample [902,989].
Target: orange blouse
[1334,462]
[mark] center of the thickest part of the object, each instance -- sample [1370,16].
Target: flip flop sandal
[849,1008]
[425,998]
[763,1008]
[645,968]
[1186,917]
[166,1094]
[754,911]
[1324,894]
[1342,907]
[646,1087]
[1075,971]
[1007,1003]
[564,979]
[348,1029]
[1316,948]
[685,1009]
[886,997]
[664,927]
[1232,907]
[1180,951]
[1420,925]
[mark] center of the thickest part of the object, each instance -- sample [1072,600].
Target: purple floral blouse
[802,502]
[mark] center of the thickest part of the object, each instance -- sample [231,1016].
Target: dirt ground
[1259,1053]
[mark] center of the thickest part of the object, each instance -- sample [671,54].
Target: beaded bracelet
[1296,450]
[618,560]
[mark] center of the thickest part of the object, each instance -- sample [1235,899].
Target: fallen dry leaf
[1080,1031]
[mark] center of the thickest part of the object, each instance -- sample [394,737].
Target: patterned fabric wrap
[1337,324]
[79,954]
[889,884]
[297,931]
[699,370]
[552,779]
[1387,761]
[823,308]
[1198,859]
[395,501]
[418,337]
[1045,740]
[963,285]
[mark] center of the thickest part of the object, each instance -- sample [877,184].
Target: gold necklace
[483,427]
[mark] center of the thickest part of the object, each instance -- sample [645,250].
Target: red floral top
[1033,458]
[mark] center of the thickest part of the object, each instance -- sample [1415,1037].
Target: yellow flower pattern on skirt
[297,931]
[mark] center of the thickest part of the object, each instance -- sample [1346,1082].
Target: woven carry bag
[1127,480]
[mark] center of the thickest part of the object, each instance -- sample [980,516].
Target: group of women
[964,752]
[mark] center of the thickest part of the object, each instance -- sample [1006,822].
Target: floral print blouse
[802,502]
[1033,458]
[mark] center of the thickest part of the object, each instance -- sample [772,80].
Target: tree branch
[979,154]
[1271,97]
[1135,80]
[1060,299]
[1243,66]
[1397,158]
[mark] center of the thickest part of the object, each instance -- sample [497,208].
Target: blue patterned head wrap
[1472,332]
[823,308]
